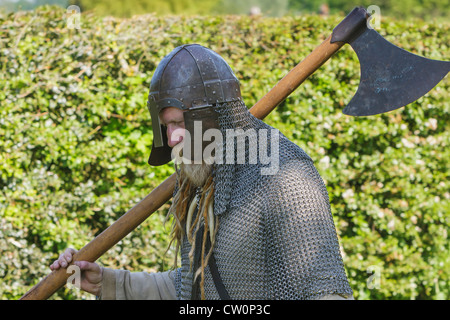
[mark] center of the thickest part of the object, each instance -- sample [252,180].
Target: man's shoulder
[291,152]
[295,166]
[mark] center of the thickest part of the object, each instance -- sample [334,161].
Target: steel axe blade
[390,76]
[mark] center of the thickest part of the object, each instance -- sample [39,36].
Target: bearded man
[244,227]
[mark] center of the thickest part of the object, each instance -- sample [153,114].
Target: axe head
[390,76]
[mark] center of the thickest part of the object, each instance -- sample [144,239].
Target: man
[251,215]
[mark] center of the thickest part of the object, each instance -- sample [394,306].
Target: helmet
[194,79]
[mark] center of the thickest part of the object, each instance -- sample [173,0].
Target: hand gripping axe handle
[390,79]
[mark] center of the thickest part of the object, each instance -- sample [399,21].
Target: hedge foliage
[76,135]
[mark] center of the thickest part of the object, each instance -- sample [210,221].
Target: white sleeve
[126,285]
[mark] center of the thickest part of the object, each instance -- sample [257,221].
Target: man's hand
[91,273]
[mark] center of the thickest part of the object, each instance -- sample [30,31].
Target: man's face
[172,118]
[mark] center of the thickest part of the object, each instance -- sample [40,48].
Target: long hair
[184,203]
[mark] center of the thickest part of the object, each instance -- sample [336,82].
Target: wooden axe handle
[108,238]
[295,77]
[160,195]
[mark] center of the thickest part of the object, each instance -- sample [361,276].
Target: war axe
[390,78]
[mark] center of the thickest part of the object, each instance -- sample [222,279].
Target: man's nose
[174,135]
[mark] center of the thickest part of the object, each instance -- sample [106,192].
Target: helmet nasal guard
[192,78]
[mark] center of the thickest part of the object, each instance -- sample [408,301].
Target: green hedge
[76,135]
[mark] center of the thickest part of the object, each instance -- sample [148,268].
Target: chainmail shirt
[276,236]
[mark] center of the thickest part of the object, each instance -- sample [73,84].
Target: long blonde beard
[196,173]
[186,200]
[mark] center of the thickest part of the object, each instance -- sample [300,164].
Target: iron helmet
[194,79]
